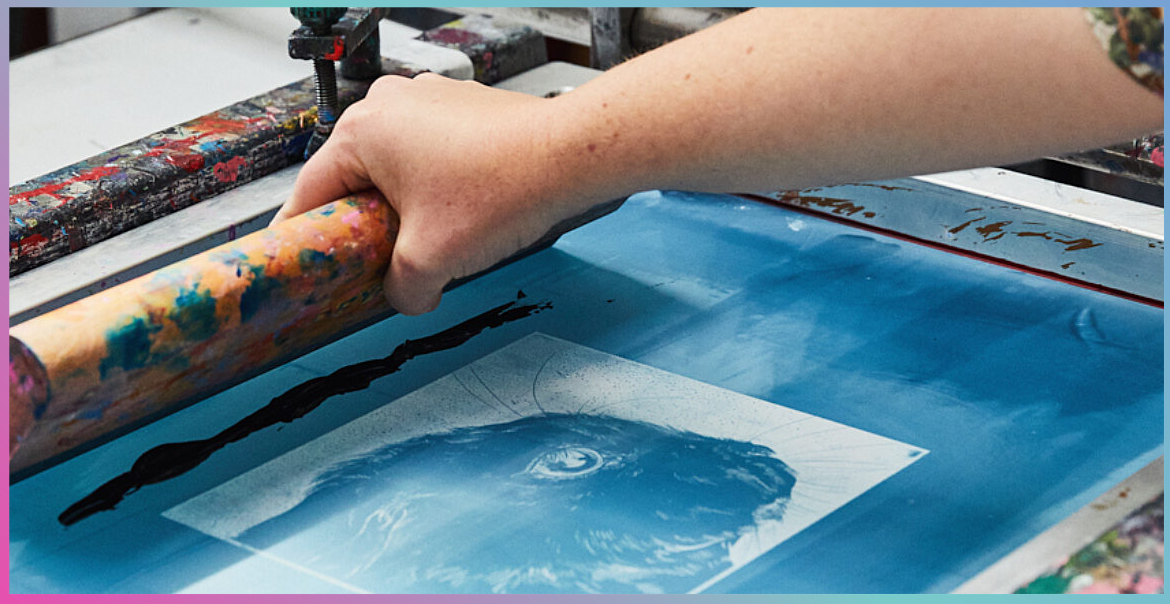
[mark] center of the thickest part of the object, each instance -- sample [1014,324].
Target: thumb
[414,282]
[328,175]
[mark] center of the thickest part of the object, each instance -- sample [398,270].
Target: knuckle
[351,117]
[411,268]
[385,83]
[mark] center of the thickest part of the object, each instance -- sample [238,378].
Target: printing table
[1028,406]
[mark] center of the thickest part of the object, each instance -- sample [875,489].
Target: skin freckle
[591,147]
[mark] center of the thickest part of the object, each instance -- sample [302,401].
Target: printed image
[547,467]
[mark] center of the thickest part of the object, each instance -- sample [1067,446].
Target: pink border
[4,20]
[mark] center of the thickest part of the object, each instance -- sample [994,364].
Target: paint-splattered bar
[113,192]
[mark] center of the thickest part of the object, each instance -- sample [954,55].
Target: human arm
[771,99]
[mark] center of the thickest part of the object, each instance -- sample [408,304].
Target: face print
[550,503]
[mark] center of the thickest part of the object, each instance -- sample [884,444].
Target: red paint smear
[959,251]
[189,162]
[94,174]
[338,49]
[229,171]
[461,37]
[31,243]
[208,125]
[168,145]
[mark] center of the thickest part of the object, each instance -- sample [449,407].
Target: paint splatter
[959,228]
[128,346]
[229,171]
[52,189]
[194,314]
[993,231]
[842,207]
[1077,244]
[189,162]
[258,292]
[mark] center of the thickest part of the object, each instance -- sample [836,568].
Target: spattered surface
[1032,396]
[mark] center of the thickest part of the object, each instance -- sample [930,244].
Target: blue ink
[604,504]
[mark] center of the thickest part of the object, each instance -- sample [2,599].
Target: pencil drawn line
[537,379]
[490,391]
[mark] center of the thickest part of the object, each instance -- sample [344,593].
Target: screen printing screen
[716,395]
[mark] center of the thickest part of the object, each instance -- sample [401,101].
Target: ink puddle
[174,459]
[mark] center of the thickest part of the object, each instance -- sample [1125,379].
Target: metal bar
[998,228]
[498,49]
[652,27]
[605,37]
[113,192]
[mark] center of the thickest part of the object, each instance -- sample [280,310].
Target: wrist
[585,160]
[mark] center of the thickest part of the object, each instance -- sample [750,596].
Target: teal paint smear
[128,346]
[257,294]
[194,313]
[312,259]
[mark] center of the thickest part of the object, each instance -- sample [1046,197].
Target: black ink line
[174,459]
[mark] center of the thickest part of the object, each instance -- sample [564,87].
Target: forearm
[772,99]
[789,98]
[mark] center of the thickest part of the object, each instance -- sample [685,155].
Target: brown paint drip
[841,207]
[965,225]
[1073,244]
[877,186]
[1077,244]
[993,231]
[863,184]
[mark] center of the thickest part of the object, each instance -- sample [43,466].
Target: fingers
[332,173]
[414,283]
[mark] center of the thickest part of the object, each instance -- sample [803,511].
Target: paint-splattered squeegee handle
[147,347]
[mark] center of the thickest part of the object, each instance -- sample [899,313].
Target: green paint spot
[1050,584]
[128,347]
[194,313]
